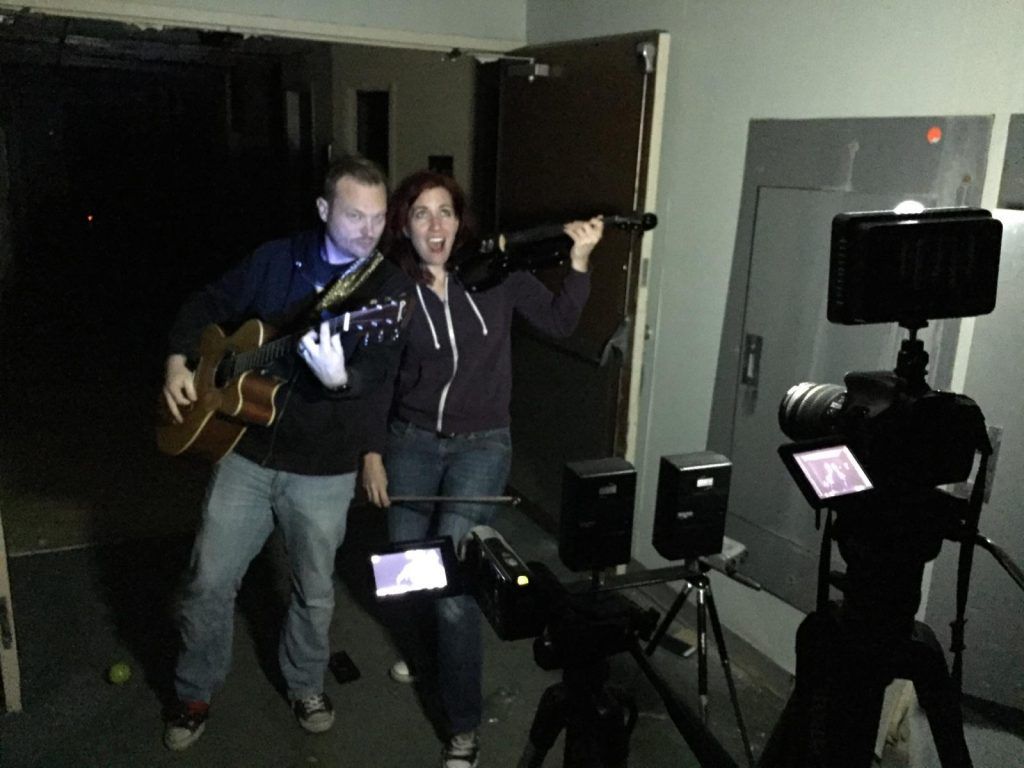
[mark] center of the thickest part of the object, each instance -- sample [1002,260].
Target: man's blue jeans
[421,463]
[243,502]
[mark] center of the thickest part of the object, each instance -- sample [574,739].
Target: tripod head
[584,628]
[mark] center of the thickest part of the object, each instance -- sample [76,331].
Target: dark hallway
[140,165]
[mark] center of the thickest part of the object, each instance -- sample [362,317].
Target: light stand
[695,578]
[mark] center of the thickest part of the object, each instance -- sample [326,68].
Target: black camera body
[523,600]
[505,587]
[905,434]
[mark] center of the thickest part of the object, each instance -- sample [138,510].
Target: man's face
[353,218]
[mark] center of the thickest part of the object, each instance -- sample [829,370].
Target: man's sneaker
[461,751]
[401,673]
[314,713]
[185,724]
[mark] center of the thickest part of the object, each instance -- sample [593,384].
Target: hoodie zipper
[451,340]
[455,357]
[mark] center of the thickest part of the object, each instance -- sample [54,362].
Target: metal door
[798,175]
[577,125]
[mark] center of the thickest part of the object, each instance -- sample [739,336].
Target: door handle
[751,372]
[617,343]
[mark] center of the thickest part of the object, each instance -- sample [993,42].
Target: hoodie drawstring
[479,317]
[423,306]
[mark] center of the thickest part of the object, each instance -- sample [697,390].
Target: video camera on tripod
[577,626]
[877,453]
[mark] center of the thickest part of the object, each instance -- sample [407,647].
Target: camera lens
[810,410]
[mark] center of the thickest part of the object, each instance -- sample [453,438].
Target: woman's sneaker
[314,713]
[461,751]
[401,673]
[185,724]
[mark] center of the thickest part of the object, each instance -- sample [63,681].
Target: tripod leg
[706,748]
[831,719]
[937,692]
[597,730]
[547,724]
[727,670]
[669,618]
[702,650]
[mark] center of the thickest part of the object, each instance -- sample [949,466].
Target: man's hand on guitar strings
[323,354]
[179,386]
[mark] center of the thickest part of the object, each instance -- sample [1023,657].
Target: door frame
[254,24]
[642,328]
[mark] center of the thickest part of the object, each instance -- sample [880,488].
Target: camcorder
[519,600]
[880,454]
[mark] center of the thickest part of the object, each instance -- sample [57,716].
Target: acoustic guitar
[233,392]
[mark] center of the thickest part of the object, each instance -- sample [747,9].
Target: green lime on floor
[119,673]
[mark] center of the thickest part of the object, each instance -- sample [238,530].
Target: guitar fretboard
[361,322]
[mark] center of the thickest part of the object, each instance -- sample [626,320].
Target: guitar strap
[346,286]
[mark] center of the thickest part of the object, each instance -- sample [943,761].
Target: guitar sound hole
[224,372]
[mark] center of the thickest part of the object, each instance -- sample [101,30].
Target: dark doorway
[373,126]
[141,165]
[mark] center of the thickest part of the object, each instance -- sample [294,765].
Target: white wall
[431,105]
[735,60]
[492,24]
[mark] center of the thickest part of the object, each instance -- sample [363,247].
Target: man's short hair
[359,168]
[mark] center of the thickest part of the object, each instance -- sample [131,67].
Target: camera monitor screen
[889,267]
[825,473]
[415,568]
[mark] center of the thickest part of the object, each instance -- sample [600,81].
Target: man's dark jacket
[317,431]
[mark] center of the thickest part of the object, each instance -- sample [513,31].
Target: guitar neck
[264,356]
[350,323]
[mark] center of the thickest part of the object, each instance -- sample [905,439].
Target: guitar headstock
[380,321]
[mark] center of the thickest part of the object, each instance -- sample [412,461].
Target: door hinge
[530,70]
[6,625]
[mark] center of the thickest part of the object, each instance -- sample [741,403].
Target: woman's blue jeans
[243,502]
[422,463]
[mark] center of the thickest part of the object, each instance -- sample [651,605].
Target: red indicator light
[934,135]
[88,217]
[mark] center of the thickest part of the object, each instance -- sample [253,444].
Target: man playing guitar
[297,468]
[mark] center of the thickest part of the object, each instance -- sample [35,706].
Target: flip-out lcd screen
[426,567]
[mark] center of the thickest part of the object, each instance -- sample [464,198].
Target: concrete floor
[79,611]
